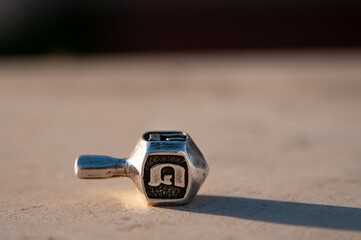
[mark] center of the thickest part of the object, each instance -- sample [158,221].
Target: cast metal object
[167,167]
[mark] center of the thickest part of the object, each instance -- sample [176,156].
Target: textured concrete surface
[281,133]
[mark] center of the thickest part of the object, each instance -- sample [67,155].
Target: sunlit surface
[131,199]
[280,131]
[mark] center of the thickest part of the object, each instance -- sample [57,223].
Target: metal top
[165,136]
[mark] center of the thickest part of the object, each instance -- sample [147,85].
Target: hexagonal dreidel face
[165,176]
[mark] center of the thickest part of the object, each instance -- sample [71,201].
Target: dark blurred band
[42,26]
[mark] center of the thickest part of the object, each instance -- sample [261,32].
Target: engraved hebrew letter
[156,177]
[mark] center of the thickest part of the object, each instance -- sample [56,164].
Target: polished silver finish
[167,167]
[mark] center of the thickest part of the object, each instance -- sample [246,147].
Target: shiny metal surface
[93,166]
[167,167]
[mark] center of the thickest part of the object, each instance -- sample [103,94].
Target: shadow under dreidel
[282,212]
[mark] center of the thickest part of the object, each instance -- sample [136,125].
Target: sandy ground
[281,132]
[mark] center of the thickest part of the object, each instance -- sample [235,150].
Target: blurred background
[38,26]
[269,90]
